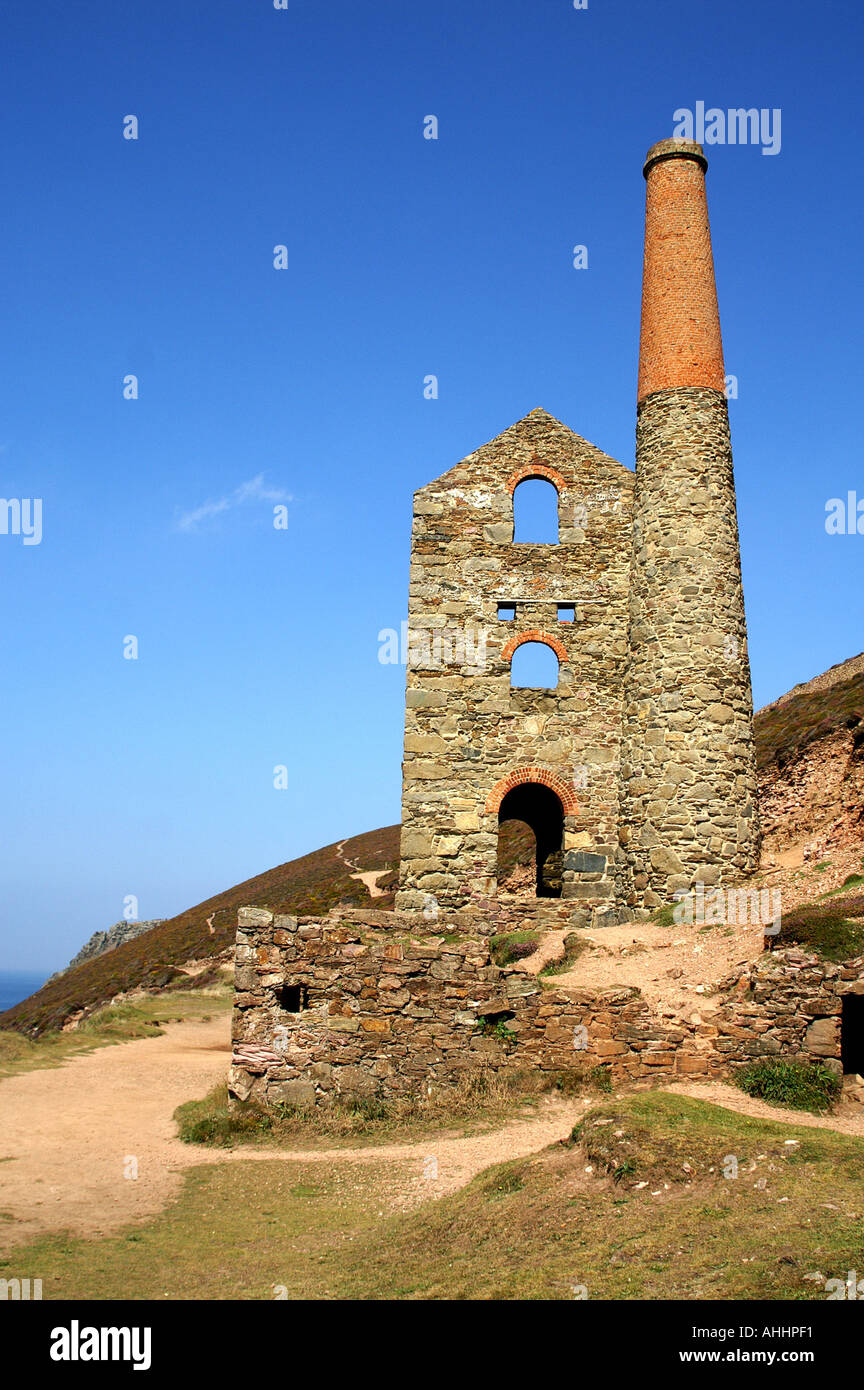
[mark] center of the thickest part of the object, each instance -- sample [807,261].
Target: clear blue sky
[304,127]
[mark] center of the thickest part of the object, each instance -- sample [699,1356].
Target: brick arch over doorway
[565,791]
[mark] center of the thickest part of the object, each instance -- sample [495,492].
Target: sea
[16,985]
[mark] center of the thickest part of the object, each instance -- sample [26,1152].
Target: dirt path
[67,1136]
[677,968]
[847,1119]
[66,1133]
[368,877]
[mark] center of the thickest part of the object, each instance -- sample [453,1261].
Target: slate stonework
[647,739]
[466,730]
[390,1009]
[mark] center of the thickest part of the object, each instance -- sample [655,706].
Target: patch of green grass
[496,1028]
[506,1178]
[853,881]
[480,1099]
[600,1077]
[822,866]
[255,1230]
[796,1085]
[663,917]
[832,930]
[514,945]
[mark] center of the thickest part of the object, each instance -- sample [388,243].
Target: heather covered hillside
[309,885]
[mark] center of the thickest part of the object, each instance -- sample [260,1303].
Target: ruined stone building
[635,771]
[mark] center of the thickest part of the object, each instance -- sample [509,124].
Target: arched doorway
[539,810]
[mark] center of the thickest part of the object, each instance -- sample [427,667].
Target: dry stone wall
[377,1005]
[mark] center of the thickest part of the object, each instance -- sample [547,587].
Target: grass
[853,881]
[781,732]
[832,929]
[531,1228]
[663,916]
[480,1100]
[574,945]
[796,1085]
[114,1023]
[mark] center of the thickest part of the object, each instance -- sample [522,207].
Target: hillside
[810,754]
[309,885]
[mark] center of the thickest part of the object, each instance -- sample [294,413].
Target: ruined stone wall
[788,1002]
[468,736]
[688,769]
[393,1010]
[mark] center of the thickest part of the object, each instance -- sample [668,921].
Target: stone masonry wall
[468,735]
[394,1010]
[688,768]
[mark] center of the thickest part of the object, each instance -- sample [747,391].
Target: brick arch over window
[563,790]
[534,634]
[535,470]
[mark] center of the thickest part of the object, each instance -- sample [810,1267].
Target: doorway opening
[536,839]
[852,1033]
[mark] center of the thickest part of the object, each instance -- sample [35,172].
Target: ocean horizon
[16,985]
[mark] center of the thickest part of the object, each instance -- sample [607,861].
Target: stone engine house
[635,771]
[631,766]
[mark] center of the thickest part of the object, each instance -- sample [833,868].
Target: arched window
[535,512]
[534,666]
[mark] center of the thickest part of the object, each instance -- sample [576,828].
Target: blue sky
[406,257]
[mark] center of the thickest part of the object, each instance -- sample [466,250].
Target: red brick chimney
[680,343]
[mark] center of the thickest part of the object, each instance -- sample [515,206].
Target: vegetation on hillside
[512,946]
[782,730]
[791,1083]
[306,887]
[833,929]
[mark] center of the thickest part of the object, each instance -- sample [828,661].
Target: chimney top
[680,343]
[674,149]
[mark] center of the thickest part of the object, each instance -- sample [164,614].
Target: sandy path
[67,1135]
[676,967]
[847,1119]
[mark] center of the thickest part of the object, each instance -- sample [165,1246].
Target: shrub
[663,916]
[797,1085]
[600,1077]
[515,945]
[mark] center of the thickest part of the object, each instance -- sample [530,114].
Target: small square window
[292,998]
[507,612]
[566,613]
